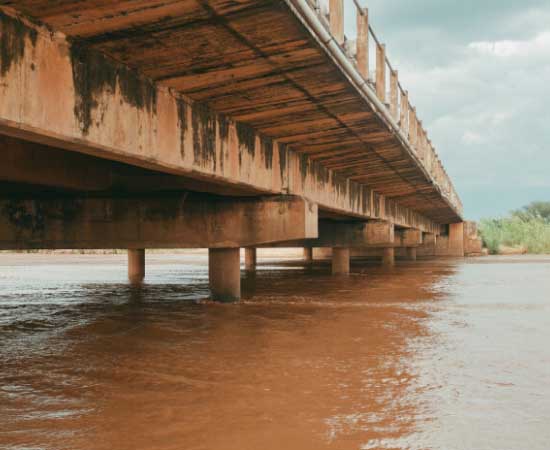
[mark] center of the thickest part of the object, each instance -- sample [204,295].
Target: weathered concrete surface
[73,97]
[348,234]
[177,221]
[224,274]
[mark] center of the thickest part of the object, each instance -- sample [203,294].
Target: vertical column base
[136,266]
[250,259]
[388,257]
[411,253]
[224,274]
[340,261]
[308,255]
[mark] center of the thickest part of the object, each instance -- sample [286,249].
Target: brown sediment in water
[431,354]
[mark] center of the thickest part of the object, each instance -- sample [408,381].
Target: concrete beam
[76,99]
[349,234]
[177,221]
[409,238]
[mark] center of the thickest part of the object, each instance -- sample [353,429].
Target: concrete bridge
[212,124]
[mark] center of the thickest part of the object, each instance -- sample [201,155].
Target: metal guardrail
[368,54]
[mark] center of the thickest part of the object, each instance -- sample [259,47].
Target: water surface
[448,354]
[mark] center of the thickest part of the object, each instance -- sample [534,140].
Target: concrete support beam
[349,234]
[250,259]
[136,265]
[340,261]
[388,256]
[354,234]
[176,221]
[410,238]
[224,274]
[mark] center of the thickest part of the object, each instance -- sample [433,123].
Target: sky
[478,72]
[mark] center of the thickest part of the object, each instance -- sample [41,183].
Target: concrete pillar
[224,274]
[136,265]
[308,255]
[388,257]
[250,259]
[411,253]
[456,239]
[340,261]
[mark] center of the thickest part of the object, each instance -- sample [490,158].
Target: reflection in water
[443,354]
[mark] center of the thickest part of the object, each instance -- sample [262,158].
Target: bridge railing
[368,54]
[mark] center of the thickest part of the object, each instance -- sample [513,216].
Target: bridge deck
[261,63]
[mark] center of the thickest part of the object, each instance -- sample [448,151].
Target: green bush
[531,232]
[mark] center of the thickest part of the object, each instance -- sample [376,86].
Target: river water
[448,354]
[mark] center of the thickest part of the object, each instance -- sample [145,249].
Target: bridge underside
[119,118]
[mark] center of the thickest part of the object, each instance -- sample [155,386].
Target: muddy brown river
[448,354]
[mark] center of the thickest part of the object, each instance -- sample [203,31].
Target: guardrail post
[336,20]
[394,94]
[404,119]
[381,72]
[363,42]
[412,126]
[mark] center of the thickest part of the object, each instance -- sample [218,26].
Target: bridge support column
[308,255]
[136,265]
[340,261]
[224,274]
[388,257]
[411,253]
[456,239]
[250,259]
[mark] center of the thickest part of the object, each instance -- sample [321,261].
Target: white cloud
[510,48]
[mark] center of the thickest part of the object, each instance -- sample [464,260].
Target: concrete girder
[53,93]
[177,221]
[372,234]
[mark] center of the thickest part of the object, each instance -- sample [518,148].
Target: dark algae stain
[223,130]
[182,123]
[93,73]
[223,124]
[304,166]
[247,139]
[24,216]
[282,159]
[13,36]
[204,134]
[267,151]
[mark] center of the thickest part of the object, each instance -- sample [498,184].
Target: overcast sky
[478,72]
